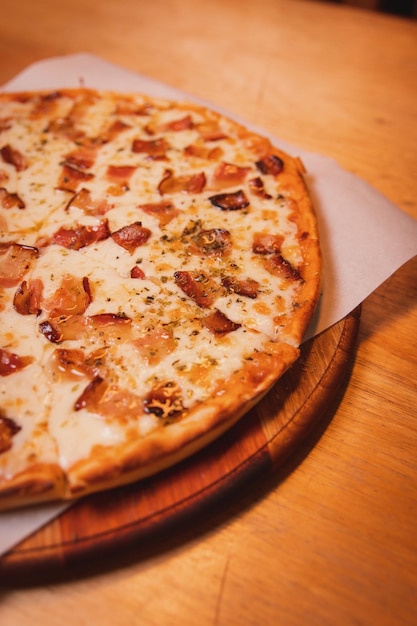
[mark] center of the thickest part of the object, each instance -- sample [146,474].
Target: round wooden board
[264,438]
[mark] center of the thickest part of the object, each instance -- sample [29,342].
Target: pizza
[159,265]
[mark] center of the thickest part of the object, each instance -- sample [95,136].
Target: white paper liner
[364,237]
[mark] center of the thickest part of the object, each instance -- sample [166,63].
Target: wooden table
[332,537]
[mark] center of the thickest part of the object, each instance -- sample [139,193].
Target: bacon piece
[10,200]
[10,363]
[114,130]
[63,328]
[66,127]
[92,395]
[72,297]
[211,131]
[164,400]
[204,152]
[45,105]
[83,200]
[83,158]
[154,148]
[4,176]
[51,331]
[163,211]
[109,319]
[71,177]
[81,236]
[218,324]
[270,164]
[129,107]
[247,287]
[8,429]
[73,363]
[70,362]
[266,243]
[131,236]
[120,173]
[228,175]
[198,286]
[156,344]
[28,297]
[14,157]
[137,272]
[5,123]
[256,185]
[193,183]
[214,242]
[183,123]
[276,264]
[230,201]
[15,262]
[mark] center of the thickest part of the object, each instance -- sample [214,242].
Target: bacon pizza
[159,265]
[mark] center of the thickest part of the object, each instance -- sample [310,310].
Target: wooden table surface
[331,539]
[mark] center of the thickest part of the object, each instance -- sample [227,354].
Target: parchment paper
[364,236]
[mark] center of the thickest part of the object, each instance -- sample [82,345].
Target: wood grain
[262,440]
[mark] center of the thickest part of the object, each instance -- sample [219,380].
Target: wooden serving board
[111,522]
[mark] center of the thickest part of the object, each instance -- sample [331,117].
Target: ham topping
[230,201]
[10,200]
[8,428]
[193,183]
[270,164]
[131,236]
[12,156]
[81,235]
[218,324]
[15,261]
[198,286]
